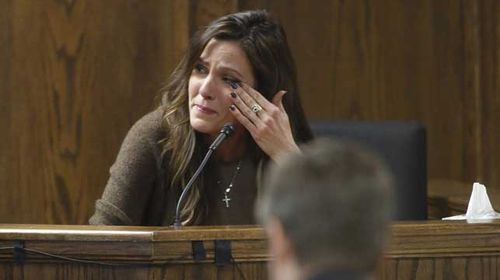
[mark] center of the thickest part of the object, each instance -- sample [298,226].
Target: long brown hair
[265,44]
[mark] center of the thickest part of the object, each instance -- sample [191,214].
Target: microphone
[226,131]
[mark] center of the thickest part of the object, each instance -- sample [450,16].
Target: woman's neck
[232,148]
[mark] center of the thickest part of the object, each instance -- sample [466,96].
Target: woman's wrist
[292,149]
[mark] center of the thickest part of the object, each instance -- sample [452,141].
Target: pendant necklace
[226,198]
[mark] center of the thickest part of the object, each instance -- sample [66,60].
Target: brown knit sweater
[138,191]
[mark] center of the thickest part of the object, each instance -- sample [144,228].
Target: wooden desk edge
[249,243]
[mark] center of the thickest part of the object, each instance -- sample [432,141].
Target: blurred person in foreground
[326,212]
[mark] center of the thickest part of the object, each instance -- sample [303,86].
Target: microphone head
[227,129]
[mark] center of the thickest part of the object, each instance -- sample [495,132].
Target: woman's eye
[230,81]
[200,68]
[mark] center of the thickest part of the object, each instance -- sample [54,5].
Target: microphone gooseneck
[225,132]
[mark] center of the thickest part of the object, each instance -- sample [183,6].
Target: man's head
[327,208]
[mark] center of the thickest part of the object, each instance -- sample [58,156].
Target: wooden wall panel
[442,268]
[5,106]
[203,12]
[472,86]
[65,271]
[489,15]
[400,60]
[77,75]
[431,61]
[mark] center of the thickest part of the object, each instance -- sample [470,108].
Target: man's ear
[279,244]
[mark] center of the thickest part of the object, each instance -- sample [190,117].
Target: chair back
[403,147]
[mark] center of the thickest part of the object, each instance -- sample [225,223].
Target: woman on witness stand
[239,69]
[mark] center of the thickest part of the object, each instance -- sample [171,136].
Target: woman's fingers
[245,108]
[278,100]
[266,121]
[249,125]
[251,96]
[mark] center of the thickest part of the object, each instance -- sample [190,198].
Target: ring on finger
[256,108]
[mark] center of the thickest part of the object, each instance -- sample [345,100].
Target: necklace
[226,198]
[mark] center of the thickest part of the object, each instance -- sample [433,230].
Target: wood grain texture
[364,60]
[490,89]
[203,12]
[5,105]
[75,75]
[431,61]
[145,252]
[424,250]
[79,74]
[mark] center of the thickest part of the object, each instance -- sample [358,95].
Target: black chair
[403,147]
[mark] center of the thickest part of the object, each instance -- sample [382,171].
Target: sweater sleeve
[132,176]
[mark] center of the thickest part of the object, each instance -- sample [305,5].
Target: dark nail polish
[232,107]
[233,95]
[234,85]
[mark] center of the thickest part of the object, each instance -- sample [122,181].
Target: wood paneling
[489,18]
[399,60]
[426,250]
[5,106]
[203,12]
[75,75]
[446,268]
[431,61]
[136,252]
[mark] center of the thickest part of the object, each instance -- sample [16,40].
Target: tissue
[479,207]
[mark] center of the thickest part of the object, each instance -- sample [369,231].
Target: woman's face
[220,63]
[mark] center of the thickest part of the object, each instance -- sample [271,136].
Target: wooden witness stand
[423,250]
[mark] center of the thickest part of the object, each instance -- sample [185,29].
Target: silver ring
[256,108]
